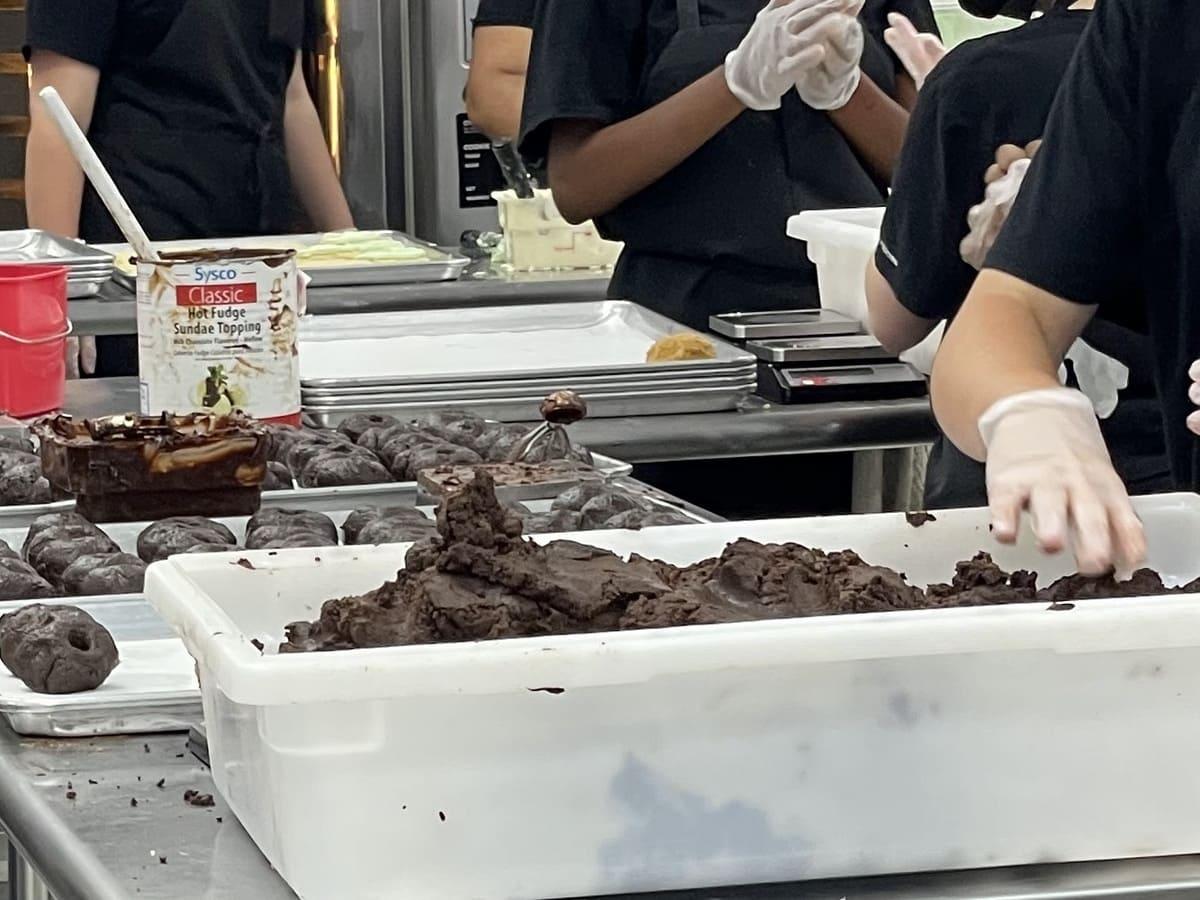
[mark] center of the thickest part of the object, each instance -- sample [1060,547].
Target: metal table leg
[23,881]
[884,481]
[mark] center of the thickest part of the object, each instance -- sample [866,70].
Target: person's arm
[496,82]
[874,124]
[53,179]
[593,168]
[1008,338]
[893,326]
[313,176]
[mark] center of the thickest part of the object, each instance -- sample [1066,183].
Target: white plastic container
[841,244]
[538,238]
[709,755]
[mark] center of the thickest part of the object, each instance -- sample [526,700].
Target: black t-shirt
[514,13]
[1110,214]
[106,33]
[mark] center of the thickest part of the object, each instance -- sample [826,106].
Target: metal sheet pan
[579,383]
[31,245]
[153,689]
[600,406]
[460,346]
[783,324]
[440,265]
[820,350]
[732,382]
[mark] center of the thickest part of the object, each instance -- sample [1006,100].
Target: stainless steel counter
[98,846]
[114,312]
[757,430]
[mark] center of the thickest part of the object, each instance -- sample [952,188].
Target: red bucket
[33,333]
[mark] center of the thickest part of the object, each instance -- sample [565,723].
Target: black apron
[193,133]
[710,236]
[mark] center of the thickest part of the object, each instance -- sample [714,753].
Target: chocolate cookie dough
[104,575]
[295,528]
[343,465]
[56,649]
[355,426]
[22,482]
[19,580]
[279,477]
[183,534]
[394,525]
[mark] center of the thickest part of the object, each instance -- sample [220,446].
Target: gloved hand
[831,83]
[918,51]
[1193,421]
[1045,453]
[1004,179]
[81,356]
[780,46]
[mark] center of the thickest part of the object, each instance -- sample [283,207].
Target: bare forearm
[494,103]
[1007,339]
[53,181]
[892,324]
[313,176]
[594,170]
[874,124]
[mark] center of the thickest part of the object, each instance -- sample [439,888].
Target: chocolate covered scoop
[56,649]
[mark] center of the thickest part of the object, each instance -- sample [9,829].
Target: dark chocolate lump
[19,580]
[56,649]
[273,529]
[279,477]
[343,465]
[104,575]
[183,534]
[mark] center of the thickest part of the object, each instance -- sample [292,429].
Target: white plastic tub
[841,244]
[703,756]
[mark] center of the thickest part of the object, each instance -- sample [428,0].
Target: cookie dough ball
[7,552]
[56,649]
[556,521]
[604,507]
[636,519]
[104,575]
[577,497]
[338,466]
[180,534]
[396,441]
[278,478]
[422,458]
[681,348]
[462,429]
[56,520]
[502,440]
[19,444]
[280,440]
[52,556]
[23,484]
[19,581]
[311,445]
[394,525]
[354,426]
[297,527]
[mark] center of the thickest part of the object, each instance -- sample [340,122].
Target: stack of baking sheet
[501,361]
[88,267]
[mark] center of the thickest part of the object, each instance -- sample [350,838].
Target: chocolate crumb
[92,781]
[1061,607]
[133,802]
[547,690]
[71,795]
[245,564]
[179,756]
[220,819]
[441,815]
[195,798]
[162,783]
[146,747]
[70,786]
[258,645]
[162,860]
[917,519]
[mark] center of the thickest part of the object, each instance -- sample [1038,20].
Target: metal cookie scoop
[550,439]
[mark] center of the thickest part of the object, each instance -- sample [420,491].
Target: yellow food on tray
[682,347]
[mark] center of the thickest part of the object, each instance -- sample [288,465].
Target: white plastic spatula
[98,175]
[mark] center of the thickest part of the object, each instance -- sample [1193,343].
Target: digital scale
[818,356]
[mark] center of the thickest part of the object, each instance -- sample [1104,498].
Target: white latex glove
[918,51]
[832,82]
[779,47]
[985,220]
[1045,453]
[1193,421]
[81,356]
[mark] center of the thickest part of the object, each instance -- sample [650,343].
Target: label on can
[217,331]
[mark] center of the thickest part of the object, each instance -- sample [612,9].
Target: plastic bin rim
[14,273]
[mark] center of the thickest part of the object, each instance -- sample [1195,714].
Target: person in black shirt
[499,61]
[1108,222]
[199,110]
[988,92]
[667,121]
